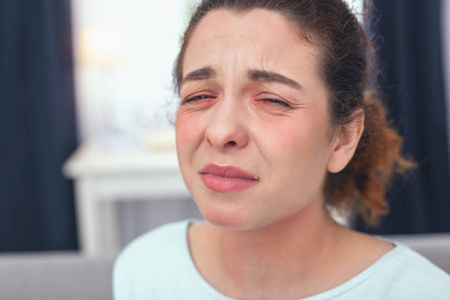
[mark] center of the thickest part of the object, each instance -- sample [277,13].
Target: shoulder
[152,259]
[399,274]
[155,242]
[405,272]
[168,233]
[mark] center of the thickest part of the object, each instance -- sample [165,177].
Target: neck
[284,253]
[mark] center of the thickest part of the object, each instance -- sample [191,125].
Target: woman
[276,127]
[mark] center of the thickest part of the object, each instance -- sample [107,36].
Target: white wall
[135,85]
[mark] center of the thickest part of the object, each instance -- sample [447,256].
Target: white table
[102,178]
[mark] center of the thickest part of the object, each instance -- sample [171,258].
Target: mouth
[226,178]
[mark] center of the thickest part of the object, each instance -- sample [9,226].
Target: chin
[226,216]
[222,217]
[230,210]
[232,218]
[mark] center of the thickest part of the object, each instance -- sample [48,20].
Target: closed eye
[276,102]
[198,98]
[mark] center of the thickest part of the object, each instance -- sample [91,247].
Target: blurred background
[87,151]
[87,158]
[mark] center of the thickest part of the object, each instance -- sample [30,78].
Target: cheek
[297,149]
[185,140]
[188,131]
[291,139]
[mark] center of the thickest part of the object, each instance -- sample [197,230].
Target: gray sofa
[55,276]
[70,276]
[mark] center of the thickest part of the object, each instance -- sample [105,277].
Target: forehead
[259,37]
[250,24]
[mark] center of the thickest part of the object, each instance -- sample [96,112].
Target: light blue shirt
[158,266]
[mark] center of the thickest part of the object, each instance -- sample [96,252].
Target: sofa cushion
[55,276]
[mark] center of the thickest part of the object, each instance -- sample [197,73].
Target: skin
[274,239]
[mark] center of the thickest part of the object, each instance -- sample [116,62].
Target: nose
[227,127]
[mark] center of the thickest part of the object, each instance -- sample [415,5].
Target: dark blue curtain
[411,52]
[37,126]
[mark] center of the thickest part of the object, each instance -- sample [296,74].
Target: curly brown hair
[346,62]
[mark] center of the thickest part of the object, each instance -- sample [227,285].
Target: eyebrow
[266,76]
[199,74]
[255,75]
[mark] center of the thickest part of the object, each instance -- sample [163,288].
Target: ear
[345,140]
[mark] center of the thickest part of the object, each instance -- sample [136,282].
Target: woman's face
[253,133]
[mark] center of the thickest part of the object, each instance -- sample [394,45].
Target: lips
[226,178]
